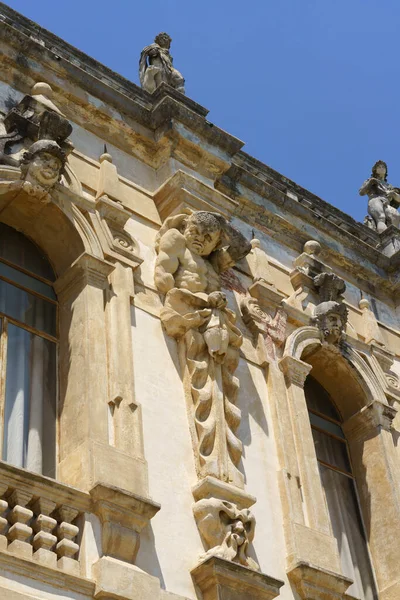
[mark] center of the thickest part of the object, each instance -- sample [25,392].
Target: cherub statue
[226,530]
[155,66]
[383,198]
[193,249]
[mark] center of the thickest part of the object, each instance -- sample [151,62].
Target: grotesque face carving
[43,164]
[239,532]
[199,238]
[45,169]
[332,327]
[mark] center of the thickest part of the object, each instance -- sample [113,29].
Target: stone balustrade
[39,518]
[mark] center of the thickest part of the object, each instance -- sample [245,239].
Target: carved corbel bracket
[123,515]
[220,579]
[108,221]
[319,584]
[375,415]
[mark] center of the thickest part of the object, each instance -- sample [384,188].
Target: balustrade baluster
[44,541]
[20,532]
[66,547]
[3,518]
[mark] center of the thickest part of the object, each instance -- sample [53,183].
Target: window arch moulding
[367,420]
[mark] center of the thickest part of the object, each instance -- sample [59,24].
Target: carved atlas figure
[193,249]
[155,66]
[383,198]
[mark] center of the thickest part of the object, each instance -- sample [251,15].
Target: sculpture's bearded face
[333,327]
[45,169]
[199,239]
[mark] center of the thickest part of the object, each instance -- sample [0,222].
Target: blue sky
[311,86]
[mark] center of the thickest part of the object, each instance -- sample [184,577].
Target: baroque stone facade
[199,359]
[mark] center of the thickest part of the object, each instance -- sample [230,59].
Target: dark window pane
[27,308]
[331,451]
[17,249]
[30,403]
[319,400]
[326,425]
[27,281]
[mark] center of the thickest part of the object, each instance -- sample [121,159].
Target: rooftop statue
[193,249]
[155,66]
[383,198]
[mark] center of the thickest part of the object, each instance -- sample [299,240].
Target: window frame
[6,319]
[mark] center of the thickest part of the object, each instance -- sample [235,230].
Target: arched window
[340,492]
[28,355]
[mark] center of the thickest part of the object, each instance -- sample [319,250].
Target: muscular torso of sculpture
[192,251]
[155,66]
[383,198]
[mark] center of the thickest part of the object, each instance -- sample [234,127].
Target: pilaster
[86,454]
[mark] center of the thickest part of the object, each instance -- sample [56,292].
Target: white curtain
[29,420]
[348,531]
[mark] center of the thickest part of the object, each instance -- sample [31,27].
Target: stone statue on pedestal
[193,249]
[155,66]
[383,199]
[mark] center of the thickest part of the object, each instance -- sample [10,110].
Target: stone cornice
[267,198]
[54,578]
[146,124]
[155,127]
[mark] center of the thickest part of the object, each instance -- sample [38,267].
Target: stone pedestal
[219,579]
[390,241]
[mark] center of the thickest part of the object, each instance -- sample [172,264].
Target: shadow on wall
[147,558]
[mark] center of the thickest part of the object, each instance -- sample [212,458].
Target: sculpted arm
[172,246]
[364,189]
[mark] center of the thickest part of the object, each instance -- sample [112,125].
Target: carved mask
[200,240]
[44,169]
[332,327]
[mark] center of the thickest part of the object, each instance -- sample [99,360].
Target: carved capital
[295,370]
[86,270]
[374,416]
